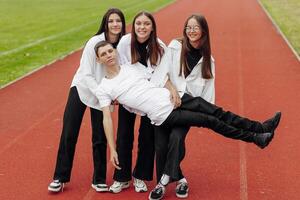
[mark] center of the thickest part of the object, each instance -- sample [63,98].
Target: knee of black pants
[178,135]
[161,140]
[146,133]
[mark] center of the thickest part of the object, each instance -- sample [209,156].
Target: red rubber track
[256,75]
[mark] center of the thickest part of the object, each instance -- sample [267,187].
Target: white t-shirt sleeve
[103,96]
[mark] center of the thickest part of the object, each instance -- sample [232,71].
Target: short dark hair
[100,44]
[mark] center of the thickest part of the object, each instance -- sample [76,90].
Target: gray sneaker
[100,187]
[56,186]
[139,185]
[117,186]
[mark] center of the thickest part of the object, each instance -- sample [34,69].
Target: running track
[256,75]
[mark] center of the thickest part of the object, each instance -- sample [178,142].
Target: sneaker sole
[118,191]
[140,190]
[100,189]
[155,199]
[182,196]
[50,189]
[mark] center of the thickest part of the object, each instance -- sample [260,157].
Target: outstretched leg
[198,104]
[181,117]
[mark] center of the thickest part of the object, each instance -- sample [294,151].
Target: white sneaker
[100,187]
[117,186]
[139,185]
[182,189]
[56,186]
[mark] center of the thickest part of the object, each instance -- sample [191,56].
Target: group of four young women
[191,70]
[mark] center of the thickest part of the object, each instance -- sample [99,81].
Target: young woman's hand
[114,159]
[175,98]
[115,102]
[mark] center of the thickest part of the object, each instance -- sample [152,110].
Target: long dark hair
[155,51]
[204,45]
[104,23]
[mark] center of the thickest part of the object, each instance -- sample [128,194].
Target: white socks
[183,180]
[165,179]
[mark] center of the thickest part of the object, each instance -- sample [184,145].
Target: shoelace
[116,184]
[158,189]
[139,183]
[182,186]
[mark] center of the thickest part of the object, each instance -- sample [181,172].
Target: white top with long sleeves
[193,84]
[89,74]
[132,89]
[160,75]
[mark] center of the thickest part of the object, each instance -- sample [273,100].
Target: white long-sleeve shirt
[89,74]
[193,84]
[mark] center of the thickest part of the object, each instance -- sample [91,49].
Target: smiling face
[143,28]
[193,32]
[107,55]
[114,25]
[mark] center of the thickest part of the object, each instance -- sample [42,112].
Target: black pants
[170,151]
[195,111]
[145,156]
[73,115]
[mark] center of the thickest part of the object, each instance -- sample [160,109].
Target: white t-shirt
[89,74]
[132,89]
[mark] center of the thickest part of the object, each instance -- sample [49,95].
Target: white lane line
[279,31]
[36,42]
[242,146]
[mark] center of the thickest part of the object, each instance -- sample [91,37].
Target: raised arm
[109,133]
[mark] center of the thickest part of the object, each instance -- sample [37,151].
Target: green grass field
[36,32]
[286,14]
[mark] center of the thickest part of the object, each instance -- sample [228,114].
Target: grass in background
[286,14]
[36,32]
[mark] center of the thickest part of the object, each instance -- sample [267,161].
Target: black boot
[262,140]
[271,124]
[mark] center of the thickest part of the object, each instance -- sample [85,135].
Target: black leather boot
[271,124]
[262,140]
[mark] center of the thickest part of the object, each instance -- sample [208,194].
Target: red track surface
[256,75]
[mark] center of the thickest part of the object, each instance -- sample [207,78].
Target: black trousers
[195,111]
[145,156]
[170,151]
[73,115]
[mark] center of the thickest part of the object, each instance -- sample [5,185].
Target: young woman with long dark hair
[192,72]
[143,46]
[82,95]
